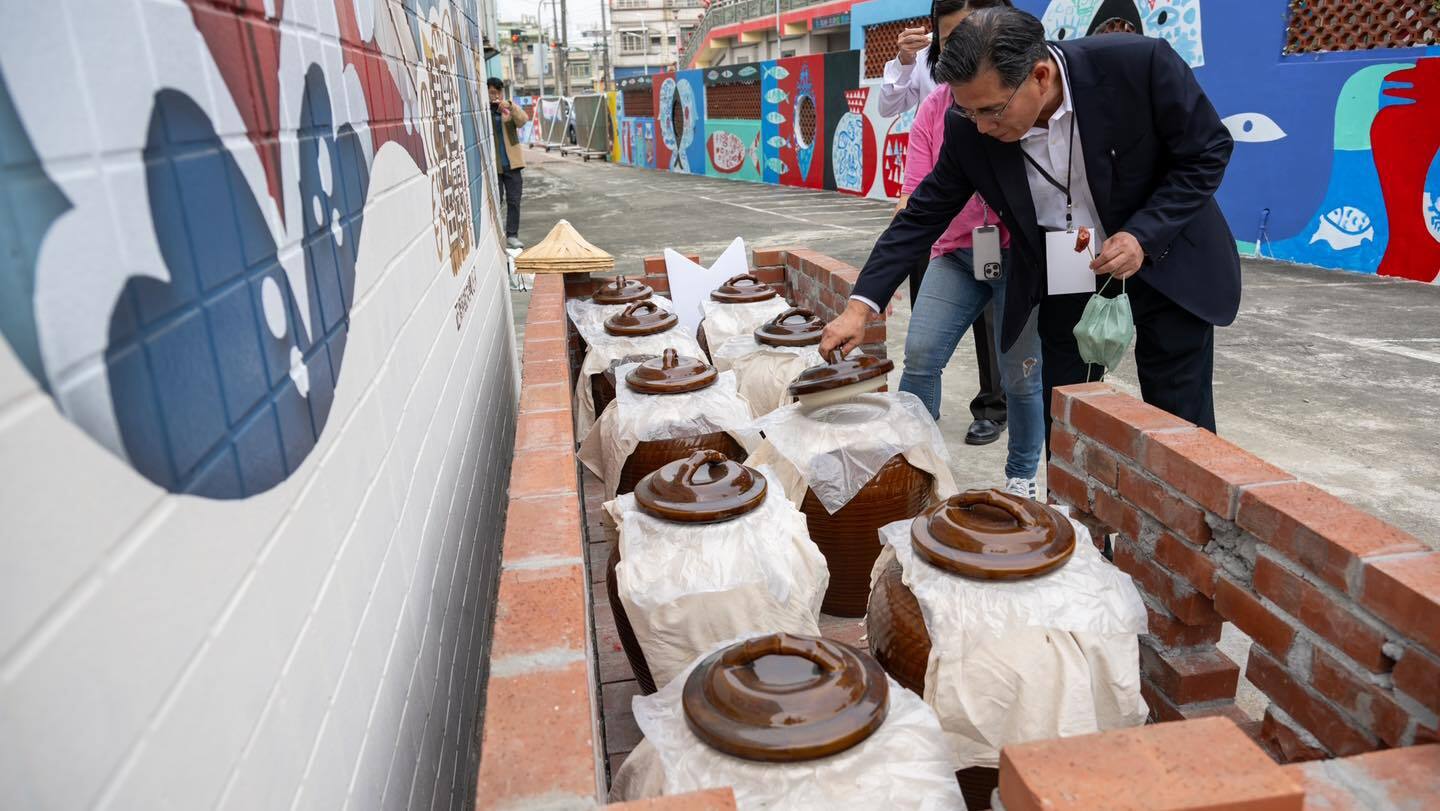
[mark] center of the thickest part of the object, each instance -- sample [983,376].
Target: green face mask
[1105,329]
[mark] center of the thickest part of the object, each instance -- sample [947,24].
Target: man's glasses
[991,113]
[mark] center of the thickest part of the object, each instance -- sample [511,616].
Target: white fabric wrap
[904,765]
[724,321]
[688,587]
[838,449]
[589,317]
[1026,660]
[764,372]
[636,417]
[606,348]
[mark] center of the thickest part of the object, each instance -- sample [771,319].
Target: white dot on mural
[335,229]
[299,372]
[322,160]
[317,208]
[274,306]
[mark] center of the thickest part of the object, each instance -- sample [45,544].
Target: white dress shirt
[1052,148]
[904,85]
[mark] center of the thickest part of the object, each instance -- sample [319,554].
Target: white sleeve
[905,86]
[867,302]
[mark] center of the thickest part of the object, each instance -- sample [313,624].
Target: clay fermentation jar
[784,698]
[742,288]
[671,374]
[796,326]
[849,538]
[641,318]
[704,487]
[621,290]
[982,534]
[602,386]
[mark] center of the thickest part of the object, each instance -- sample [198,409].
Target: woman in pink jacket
[950,300]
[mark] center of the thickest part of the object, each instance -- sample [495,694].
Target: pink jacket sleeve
[927,133]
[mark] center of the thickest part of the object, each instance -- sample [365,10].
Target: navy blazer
[1155,152]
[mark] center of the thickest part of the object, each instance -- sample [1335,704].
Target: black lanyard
[1069,162]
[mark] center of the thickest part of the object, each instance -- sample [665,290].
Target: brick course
[1344,609]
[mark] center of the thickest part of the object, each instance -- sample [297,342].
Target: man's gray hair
[1007,39]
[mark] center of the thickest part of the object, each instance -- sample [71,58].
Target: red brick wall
[1344,608]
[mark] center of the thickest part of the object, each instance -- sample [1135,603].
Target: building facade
[647,36]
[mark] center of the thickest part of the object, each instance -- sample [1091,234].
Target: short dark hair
[944,8]
[494,81]
[1006,39]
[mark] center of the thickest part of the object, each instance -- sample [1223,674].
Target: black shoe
[983,432]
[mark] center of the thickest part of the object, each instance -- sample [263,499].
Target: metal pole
[540,25]
[605,76]
[564,45]
[555,40]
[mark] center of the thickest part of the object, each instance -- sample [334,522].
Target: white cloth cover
[838,449]
[688,587]
[763,372]
[635,417]
[904,764]
[1027,660]
[589,317]
[606,348]
[724,321]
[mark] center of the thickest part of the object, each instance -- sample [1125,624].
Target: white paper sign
[691,284]
[1067,271]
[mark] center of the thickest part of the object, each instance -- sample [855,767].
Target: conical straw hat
[563,251]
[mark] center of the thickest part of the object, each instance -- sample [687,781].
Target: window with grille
[632,41]
[1317,26]
[880,44]
[733,101]
[639,103]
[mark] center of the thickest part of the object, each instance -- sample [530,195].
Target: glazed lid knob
[992,535]
[796,326]
[785,698]
[704,487]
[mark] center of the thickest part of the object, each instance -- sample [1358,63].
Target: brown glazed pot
[621,290]
[899,642]
[850,539]
[641,318]
[745,491]
[784,698]
[700,339]
[649,457]
[623,629]
[602,386]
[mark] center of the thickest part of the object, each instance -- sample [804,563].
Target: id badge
[985,252]
[1066,269]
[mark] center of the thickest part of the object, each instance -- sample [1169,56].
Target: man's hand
[847,330]
[504,110]
[911,40]
[1121,257]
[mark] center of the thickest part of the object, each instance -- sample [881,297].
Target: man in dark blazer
[1153,151]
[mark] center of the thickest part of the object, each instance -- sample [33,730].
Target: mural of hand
[221,386]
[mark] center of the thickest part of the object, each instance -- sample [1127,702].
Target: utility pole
[559,51]
[605,63]
[565,45]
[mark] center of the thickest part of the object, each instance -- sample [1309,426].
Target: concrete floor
[1333,376]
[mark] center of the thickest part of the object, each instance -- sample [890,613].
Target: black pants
[989,403]
[510,187]
[1174,352]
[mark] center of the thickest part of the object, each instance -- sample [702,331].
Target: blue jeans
[950,300]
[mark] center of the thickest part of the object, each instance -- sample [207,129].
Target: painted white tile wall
[319,644]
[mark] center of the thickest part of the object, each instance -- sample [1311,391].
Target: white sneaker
[514,242]
[1025,488]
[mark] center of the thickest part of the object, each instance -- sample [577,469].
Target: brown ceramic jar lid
[704,488]
[671,373]
[840,371]
[783,698]
[794,327]
[641,318]
[992,535]
[621,290]
[742,289]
